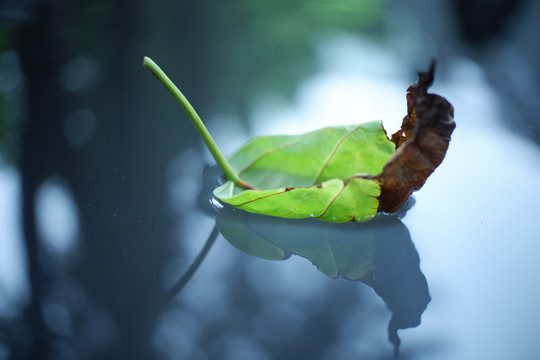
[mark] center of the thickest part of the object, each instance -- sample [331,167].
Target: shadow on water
[378,253]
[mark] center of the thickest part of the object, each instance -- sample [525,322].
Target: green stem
[196,120]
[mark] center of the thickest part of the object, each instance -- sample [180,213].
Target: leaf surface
[324,174]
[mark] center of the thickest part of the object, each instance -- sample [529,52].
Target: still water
[135,259]
[472,228]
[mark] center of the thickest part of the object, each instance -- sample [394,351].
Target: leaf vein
[260,197]
[266,153]
[334,150]
[333,199]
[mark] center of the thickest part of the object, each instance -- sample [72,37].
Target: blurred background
[101,174]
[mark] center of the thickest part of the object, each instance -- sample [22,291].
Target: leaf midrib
[334,150]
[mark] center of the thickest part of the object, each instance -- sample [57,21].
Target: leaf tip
[425,79]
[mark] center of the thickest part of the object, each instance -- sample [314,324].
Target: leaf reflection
[378,253]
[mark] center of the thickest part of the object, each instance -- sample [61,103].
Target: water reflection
[378,253]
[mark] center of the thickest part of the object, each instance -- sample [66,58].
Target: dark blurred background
[100,168]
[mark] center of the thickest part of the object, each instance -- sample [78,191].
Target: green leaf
[323,174]
[336,174]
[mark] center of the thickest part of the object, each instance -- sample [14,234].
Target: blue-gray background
[100,174]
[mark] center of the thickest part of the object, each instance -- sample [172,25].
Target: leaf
[378,253]
[321,174]
[340,174]
[336,174]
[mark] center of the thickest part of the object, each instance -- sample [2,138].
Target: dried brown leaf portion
[421,143]
[407,126]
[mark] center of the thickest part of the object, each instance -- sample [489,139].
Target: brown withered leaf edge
[421,143]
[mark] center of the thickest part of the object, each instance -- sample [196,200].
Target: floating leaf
[378,253]
[318,174]
[336,174]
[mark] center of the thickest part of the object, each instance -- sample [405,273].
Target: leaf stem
[229,172]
